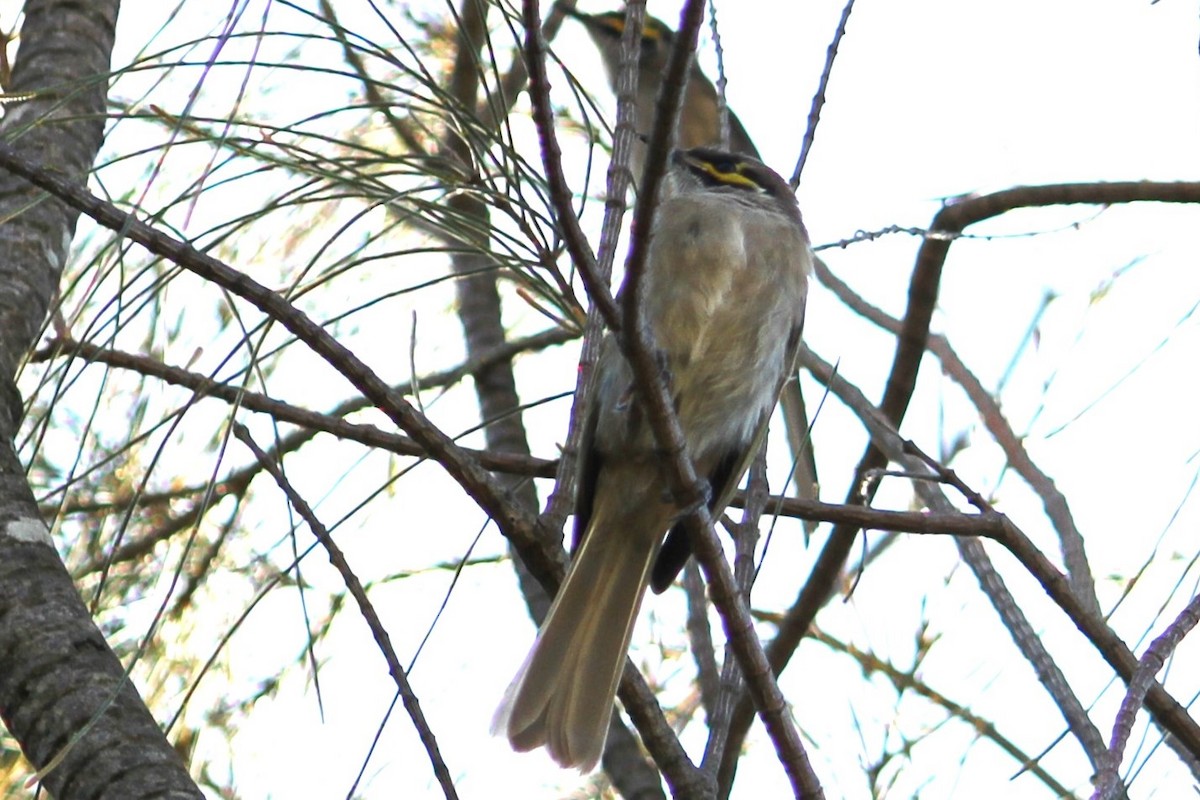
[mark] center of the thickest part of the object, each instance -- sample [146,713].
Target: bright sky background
[928,99]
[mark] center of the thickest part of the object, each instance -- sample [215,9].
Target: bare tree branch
[338,559]
[65,696]
[911,344]
[1108,780]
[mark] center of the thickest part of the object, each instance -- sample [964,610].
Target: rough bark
[63,693]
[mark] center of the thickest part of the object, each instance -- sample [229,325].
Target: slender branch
[475,480]
[560,193]
[818,101]
[911,343]
[1057,508]
[1108,781]
[331,422]
[991,583]
[1167,712]
[403,128]
[745,544]
[700,639]
[1030,645]
[619,176]
[338,559]
[952,219]
[639,702]
[685,486]
[907,680]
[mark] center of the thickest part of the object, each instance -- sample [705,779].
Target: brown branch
[907,680]
[338,559]
[700,640]
[911,343]
[476,481]
[685,486]
[901,451]
[639,701]
[618,180]
[1167,712]
[331,423]
[1053,501]
[745,536]
[909,456]
[485,317]
[560,193]
[953,218]
[1030,644]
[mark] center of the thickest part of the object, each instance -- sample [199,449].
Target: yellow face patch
[614,22]
[652,29]
[734,177]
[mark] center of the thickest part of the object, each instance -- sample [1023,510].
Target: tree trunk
[64,695]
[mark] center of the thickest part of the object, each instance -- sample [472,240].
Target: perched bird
[699,123]
[699,126]
[724,290]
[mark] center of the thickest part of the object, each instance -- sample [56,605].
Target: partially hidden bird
[723,298]
[699,119]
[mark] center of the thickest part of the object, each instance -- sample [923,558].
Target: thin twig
[331,422]
[1057,508]
[475,480]
[1108,780]
[640,703]
[818,101]
[1167,712]
[908,680]
[745,536]
[910,345]
[624,140]
[355,587]
[401,127]
[560,192]
[700,639]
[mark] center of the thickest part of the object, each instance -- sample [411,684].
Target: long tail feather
[562,697]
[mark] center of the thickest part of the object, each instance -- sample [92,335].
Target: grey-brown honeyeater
[723,306]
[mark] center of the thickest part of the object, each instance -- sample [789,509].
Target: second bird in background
[699,121]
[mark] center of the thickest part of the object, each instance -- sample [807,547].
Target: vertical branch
[64,695]
[745,544]
[479,309]
[619,178]
[1108,781]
